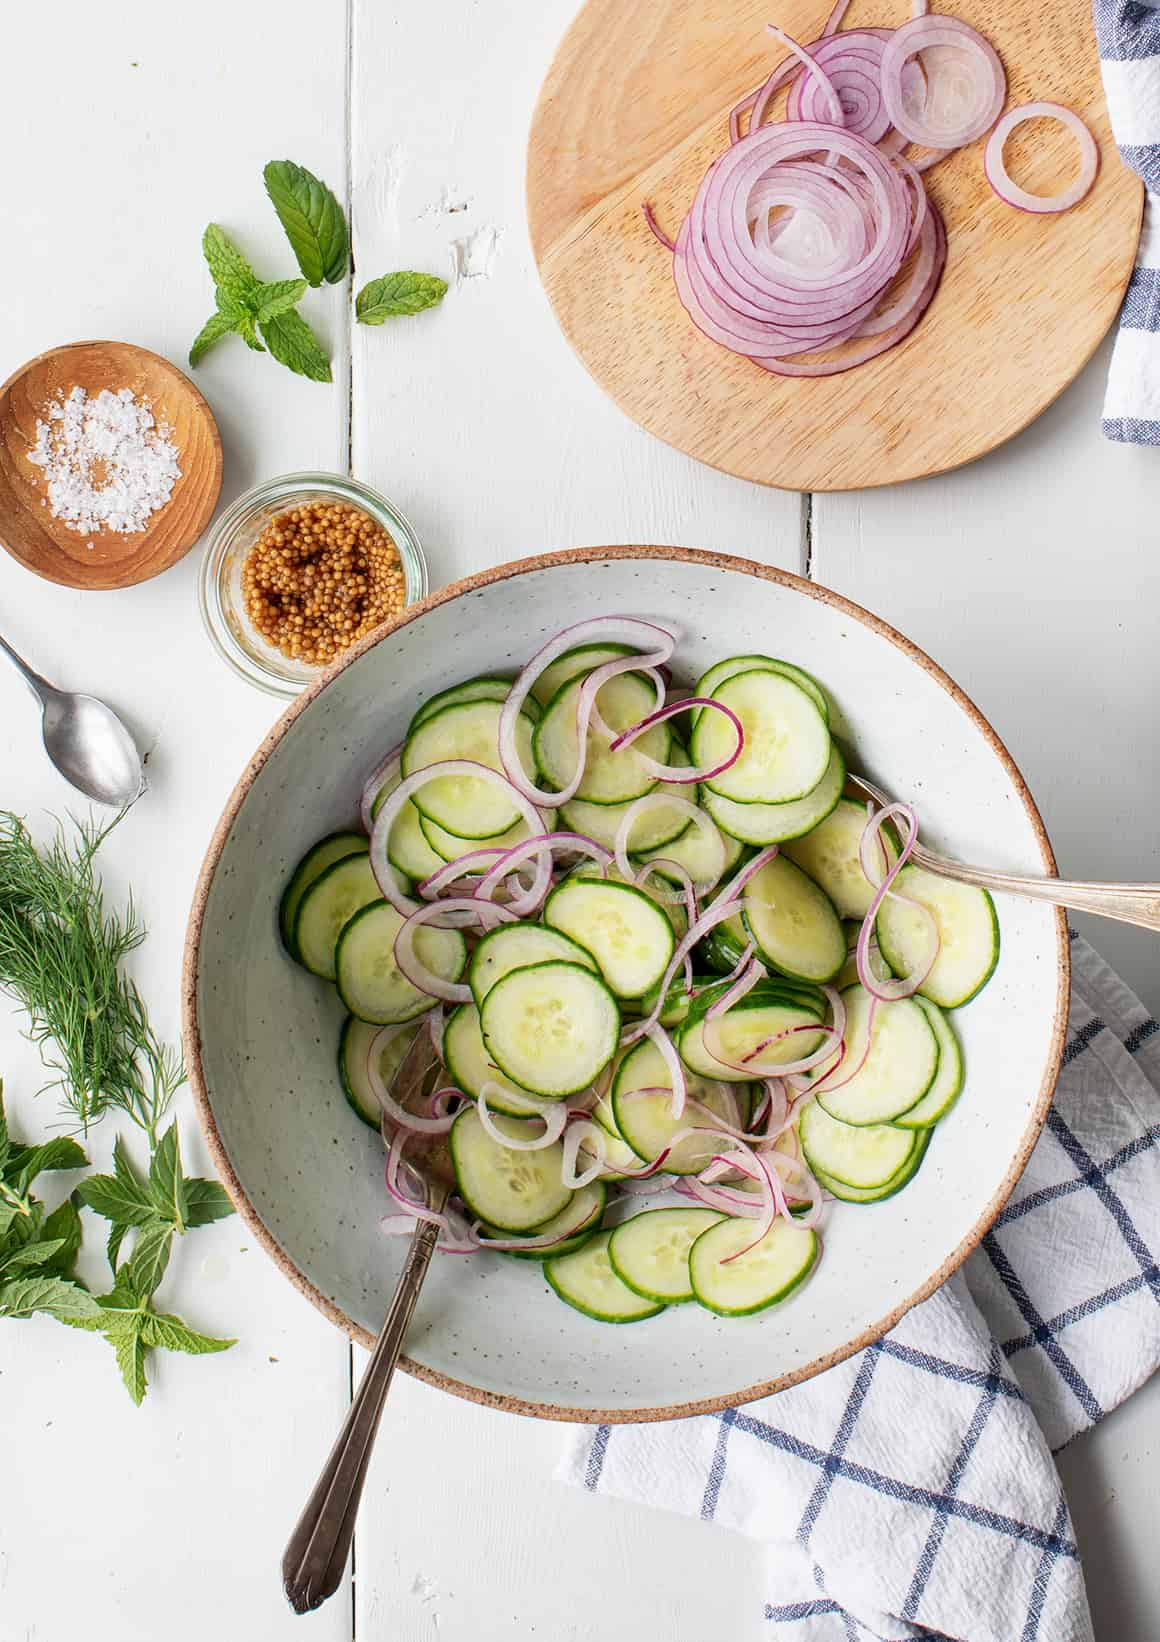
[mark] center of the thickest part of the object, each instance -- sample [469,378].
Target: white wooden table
[1032,576]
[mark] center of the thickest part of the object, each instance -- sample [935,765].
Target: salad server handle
[1127,903]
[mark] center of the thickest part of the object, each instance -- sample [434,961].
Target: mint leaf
[51,1295]
[32,1254]
[64,1226]
[206,1201]
[111,1197]
[292,343]
[150,1257]
[218,324]
[232,274]
[160,1329]
[313,220]
[125,1170]
[166,1181]
[278,297]
[125,1339]
[26,1162]
[402,293]
[113,1247]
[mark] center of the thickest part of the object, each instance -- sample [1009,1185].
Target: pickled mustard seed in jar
[319,577]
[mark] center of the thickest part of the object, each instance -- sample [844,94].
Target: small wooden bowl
[47,545]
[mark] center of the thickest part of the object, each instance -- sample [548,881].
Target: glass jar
[220,588]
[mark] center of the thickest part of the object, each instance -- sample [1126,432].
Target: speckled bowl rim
[191,1030]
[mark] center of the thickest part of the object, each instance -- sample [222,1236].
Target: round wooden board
[635,107]
[105,559]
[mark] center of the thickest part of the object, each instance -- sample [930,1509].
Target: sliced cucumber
[698,851]
[573,1226]
[337,847]
[575,663]
[472,1069]
[657,823]
[487,687]
[609,778]
[723,947]
[354,1048]
[650,1252]
[646,1120]
[552,1027]
[735,1284]
[464,804]
[678,1001]
[830,855]
[774,823]
[879,968]
[792,922]
[763,1013]
[732,665]
[512,1190]
[370,983]
[866,1156]
[896,1072]
[586,1281]
[948,1080]
[408,848]
[326,906]
[448,846]
[787,744]
[623,928]
[518,946]
[968,934]
[876,1194]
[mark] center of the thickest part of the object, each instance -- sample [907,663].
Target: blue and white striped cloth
[1129,39]
[910,1492]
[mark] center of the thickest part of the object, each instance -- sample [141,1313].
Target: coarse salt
[107,465]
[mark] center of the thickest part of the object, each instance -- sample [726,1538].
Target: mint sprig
[397,294]
[263,314]
[313,220]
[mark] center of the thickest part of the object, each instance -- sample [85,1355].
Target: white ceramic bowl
[261,1033]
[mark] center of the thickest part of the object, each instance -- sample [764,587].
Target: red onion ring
[555,1120]
[1041,204]
[374,783]
[456,914]
[889,991]
[682,774]
[988,82]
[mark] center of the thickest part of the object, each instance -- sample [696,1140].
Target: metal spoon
[314,1559]
[1127,903]
[86,740]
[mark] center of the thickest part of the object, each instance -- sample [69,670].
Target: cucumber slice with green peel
[370,982]
[577,663]
[552,1028]
[775,823]
[471,1068]
[586,1281]
[863,1157]
[848,976]
[354,1050]
[829,853]
[646,1121]
[449,846]
[656,824]
[704,860]
[464,804]
[576,1222]
[897,1071]
[628,934]
[735,1284]
[678,1001]
[968,934]
[487,687]
[948,1080]
[609,778]
[620,1161]
[337,847]
[517,946]
[515,1191]
[787,744]
[326,906]
[650,1252]
[877,1194]
[723,947]
[408,848]
[732,665]
[792,922]
[763,1013]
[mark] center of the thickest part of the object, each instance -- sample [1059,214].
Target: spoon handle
[39,686]
[1126,903]
[315,1557]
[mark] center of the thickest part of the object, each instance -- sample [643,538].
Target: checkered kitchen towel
[910,1492]
[1129,40]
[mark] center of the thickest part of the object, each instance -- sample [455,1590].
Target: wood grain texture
[103,558]
[635,107]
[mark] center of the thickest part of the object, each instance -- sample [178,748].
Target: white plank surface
[1032,577]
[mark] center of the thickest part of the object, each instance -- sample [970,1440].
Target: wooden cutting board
[635,107]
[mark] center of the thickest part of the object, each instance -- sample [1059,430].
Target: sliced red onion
[455,1235]
[686,895]
[732,890]
[375,782]
[753,972]
[456,873]
[462,913]
[682,774]
[980,67]
[717,914]
[834,113]
[582,1133]
[542,1241]
[888,991]
[663,1045]
[654,226]
[555,1119]
[540,850]
[396,1115]
[1041,204]
[412,1202]
[851,62]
